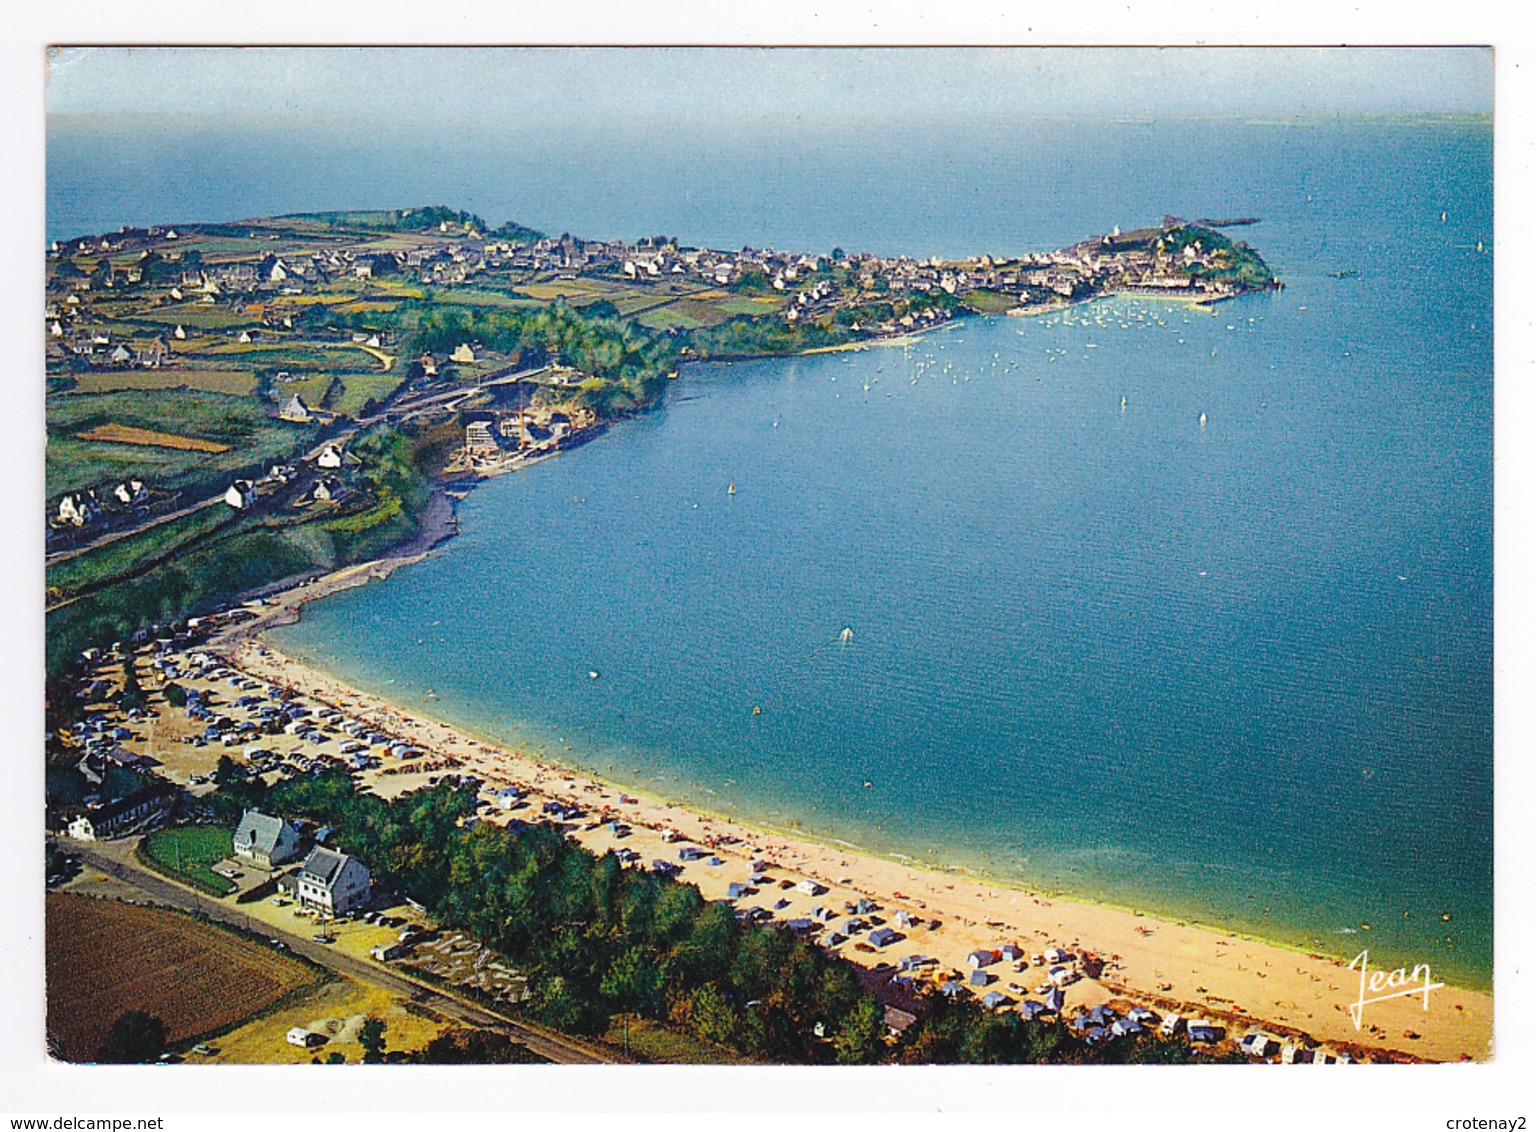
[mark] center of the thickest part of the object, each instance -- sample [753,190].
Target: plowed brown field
[105,957]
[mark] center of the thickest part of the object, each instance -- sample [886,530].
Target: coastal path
[114,536]
[116,859]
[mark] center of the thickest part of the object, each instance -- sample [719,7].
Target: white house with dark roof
[265,841]
[131,493]
[332,882]
[241,495]
[78,508]
[294,409]
[137,808]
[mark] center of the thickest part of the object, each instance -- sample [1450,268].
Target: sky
[557,84]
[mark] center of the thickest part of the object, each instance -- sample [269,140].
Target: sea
[1185,610]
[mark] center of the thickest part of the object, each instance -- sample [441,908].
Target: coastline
[1170,964]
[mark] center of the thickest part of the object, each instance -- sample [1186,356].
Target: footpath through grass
[188,854]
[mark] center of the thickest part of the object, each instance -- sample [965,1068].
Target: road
[116,859]
[113,536]
[402,410]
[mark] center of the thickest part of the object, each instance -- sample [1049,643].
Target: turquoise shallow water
[1240,672]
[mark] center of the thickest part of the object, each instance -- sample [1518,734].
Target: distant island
[232,405]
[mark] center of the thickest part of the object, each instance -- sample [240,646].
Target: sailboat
[732,489]
[845,636]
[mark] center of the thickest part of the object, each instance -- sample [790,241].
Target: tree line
[597,939]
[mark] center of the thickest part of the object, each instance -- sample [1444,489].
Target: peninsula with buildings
[232,405]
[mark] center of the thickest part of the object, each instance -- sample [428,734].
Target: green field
[703,312]
[292,356]
[195,316]
[96,567]
[188,854]
[360,388]
[313,390]
[471,297]
[754,307]
[990,302]
[237,382]
[666,317]
[559,288]
[255,439]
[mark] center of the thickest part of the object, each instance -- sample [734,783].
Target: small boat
[845,636]
[1202,420]
[592,675]
[732,489]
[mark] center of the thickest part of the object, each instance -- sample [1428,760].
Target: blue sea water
[1239,671]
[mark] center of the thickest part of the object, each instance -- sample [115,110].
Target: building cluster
[325,477]
[492,439]
[84,508]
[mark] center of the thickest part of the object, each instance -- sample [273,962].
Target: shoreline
[1169,963]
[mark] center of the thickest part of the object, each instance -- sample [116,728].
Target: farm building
[295,410]
[241,495]
[104,821]
[332,882]
[265,841]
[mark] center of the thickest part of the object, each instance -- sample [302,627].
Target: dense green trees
[745,336]
[628,362]
[597,939]
[132,694]
[474,1047]
[594,937]
[370,1035]
[960,1031]
[135,1038]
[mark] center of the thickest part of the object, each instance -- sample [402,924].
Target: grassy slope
[188,854]
[255,440]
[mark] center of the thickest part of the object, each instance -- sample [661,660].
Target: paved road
[404,409]
[116,859]
[114,536]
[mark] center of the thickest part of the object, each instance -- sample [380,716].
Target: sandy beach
[1121,956]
